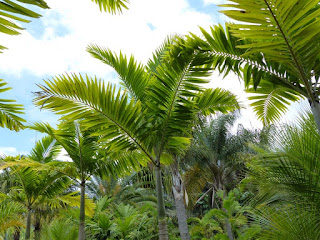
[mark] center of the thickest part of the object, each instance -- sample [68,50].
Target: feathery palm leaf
[10,10]
[291,171]
[132,74]
[112,6]
[8,111]
[109,112]
[284,31]
[228,54]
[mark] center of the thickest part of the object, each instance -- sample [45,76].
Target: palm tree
[156,109]
[86,158]
[215,160]
[274,50]
[32,188]
[11,217]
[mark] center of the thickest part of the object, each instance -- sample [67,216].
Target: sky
[56,44]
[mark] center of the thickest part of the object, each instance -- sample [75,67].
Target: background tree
[86,158]
[32,188]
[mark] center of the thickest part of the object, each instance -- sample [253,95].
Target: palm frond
[278,29]
[45,150]
[292,169]
[10,11]
[177,79]
[288,223]
[9,110]
[112,6]
[216,100]
[271,100]
[229,54]
[116,118]
[132,74]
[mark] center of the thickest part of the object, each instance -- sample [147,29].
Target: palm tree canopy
[83,149]
[158,110]
[269,47]
[214,159]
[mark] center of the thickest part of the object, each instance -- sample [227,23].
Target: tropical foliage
[9,111]
[270,52]
[160,157]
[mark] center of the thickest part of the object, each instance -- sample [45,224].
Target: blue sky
[55,44]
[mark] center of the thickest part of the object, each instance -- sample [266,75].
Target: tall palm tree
[156,109]
[274,49]
[222,103]
[86,158]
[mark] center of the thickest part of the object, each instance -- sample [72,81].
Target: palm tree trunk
[315,108]
[162,221]
[16,234]
[178,193]
[227,224]
[28,229]
[82,230]
[37,228]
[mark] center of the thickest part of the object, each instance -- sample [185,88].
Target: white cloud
[9,151]
[83,24]
[63,156]
[232,83]
[215,2]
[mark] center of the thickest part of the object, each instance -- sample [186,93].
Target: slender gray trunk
[228,228]
[178,193]
[37,227]
[315,108]
[28,229]
[162,221]
[227,224]
[82,229]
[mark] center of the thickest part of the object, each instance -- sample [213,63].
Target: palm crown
[274,49]
[154,114]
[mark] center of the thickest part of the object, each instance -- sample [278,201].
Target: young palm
[157,107]
[86,158]
[32,188]
[274,49]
